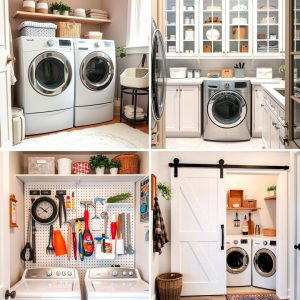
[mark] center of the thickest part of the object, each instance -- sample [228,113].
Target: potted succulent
[114,167]
[271,190]
[99,163]
[55,8]
[59,8]
[65,10]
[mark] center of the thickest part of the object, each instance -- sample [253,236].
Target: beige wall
[16,234]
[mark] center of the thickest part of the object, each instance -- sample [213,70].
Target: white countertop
[271,90]
[198,81]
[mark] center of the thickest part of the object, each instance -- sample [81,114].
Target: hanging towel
[13,78]
[160,236]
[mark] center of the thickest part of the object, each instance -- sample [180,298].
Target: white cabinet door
[189,110]
[275,133]
[5,103]
[257,111]
[198,213]
[266,133]
[4,222]
[172,109]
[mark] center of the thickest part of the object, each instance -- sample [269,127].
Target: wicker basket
[68,30]
[129,163]
[169,286]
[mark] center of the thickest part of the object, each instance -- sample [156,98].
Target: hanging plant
[164,190]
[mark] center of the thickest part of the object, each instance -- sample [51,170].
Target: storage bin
[18,125]
[29,5]
[169,286]
[68,30]
[178,73]
[42,6]
[239,73]
[235,197]
[41,165]
[64,166]
[28,28]
[81,168]
[129,163]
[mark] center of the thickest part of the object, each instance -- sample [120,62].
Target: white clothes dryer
[264,263]
[48,284]
[238,258]
[95,62]
[46,83]
[115,284]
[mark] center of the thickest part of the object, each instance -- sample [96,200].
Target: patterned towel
[160,236]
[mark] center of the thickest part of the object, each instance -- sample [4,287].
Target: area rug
[253,297]
[107,137]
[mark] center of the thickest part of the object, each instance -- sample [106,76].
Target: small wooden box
[250,203]
[244,48]
[227,73]
[235,197]
[207,48]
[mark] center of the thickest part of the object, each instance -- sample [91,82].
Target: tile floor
[200,144]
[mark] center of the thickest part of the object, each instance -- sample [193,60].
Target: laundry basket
[129,163]
[169,286]
[37,29]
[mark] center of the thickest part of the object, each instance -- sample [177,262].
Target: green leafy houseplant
[164,190]
[121,53]
[119,197]
[271,188]
[114,164]
[99,161]
[61,7]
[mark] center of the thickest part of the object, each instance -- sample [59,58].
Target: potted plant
[99,163]
[55,8]
[164,190]
[271,190]
[65,10]
[121,53]
[114,167]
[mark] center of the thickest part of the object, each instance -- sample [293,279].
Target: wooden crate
[235,197]
[250,203]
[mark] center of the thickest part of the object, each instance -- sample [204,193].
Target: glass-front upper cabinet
[296,26]
[239,27]
[189,25]
[171,27]
[212,35]
[268,30]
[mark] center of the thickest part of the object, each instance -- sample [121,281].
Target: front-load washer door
[237,260]
[96,71]
[50,73]
[265,262]
[227,109]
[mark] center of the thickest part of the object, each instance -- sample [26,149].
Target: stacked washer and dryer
[65,83]
[251,261]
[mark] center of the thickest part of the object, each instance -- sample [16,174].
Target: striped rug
[253,297]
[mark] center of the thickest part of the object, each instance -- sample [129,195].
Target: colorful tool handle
[80,247]
[74,244]
[86,219]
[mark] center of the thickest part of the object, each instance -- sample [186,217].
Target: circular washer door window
[227,109]
[265,262]
[97,71]
[50,73]
[237,260]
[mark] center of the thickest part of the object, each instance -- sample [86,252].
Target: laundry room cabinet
[183,111]
[225,28]
[257,110]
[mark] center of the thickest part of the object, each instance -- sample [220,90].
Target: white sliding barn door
[5,89]
[298,227]
[198,212]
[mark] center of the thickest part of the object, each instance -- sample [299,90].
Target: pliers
[61,208]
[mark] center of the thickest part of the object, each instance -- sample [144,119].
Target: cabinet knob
[11,294]
[10,59]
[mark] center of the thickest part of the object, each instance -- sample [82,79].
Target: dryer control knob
[70,273]
[97,44]
[50,43]
[49,274]
[64,273]
[58,273]
[114,273]
[124,273]
[130,273]
[227,86]
[265,243]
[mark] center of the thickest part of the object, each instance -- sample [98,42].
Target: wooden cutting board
[250,225]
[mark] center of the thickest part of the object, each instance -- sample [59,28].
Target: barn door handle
[10,294]
[297,247]
[222,230]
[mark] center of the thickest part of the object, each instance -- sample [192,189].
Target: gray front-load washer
[227,110]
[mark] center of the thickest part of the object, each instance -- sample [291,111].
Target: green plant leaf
[165,190]
[119,197]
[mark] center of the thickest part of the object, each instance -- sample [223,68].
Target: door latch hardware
[9,294]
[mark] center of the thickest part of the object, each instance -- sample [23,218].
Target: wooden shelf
[78,179]
[57,18]
[270,198]
[243,208]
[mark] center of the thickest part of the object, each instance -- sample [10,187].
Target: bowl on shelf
[213,34]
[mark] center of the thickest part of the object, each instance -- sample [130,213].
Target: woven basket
[129,163]
[169,286]
[68,30]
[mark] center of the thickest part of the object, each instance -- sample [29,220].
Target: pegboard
[82,192]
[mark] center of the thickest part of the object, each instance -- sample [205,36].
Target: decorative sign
[153,190]
[144,204]
[13,211]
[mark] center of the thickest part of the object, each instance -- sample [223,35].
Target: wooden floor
[142,127]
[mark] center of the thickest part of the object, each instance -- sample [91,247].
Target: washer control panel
[50,273]
[113,273]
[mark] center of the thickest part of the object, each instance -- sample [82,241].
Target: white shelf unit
[77,179]
[261,17]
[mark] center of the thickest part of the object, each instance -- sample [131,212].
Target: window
[138,25]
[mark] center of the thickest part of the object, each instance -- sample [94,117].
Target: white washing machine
[115,284]
[95,62]
[46,83]
[48,284]
[238,257]
[264,263]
